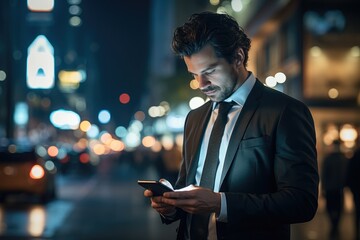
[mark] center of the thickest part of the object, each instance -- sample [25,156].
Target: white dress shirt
[239,97]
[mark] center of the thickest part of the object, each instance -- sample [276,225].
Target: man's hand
[158,204]
[197,200]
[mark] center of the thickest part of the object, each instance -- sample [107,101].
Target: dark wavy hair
[221,31]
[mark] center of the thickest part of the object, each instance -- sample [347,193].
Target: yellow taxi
[23,171]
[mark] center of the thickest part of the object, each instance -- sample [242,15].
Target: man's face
[217,78]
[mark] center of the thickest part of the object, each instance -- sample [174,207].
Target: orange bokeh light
[53,151]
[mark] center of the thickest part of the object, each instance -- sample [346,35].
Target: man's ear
[240,56]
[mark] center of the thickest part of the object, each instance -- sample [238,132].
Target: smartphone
[155,186]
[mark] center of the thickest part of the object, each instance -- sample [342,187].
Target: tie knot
[224,107]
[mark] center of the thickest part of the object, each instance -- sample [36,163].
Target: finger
[190,210]
[181,203]
[148,193]
[163,208]
[179,194]
[157,199]
[186,205]
[157,205]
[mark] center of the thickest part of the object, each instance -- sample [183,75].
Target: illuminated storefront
[317,47]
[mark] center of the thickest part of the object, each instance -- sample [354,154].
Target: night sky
[120,33]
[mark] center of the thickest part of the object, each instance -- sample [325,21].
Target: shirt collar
[241,94]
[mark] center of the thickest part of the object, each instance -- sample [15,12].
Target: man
[333,182]
[266,175]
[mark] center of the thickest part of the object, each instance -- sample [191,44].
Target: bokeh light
[105,137]
[333,93]
[53,151]
[148,141]
[194,84]
[214,2]
[2,75]
[270,81]
[117,145]
[280,77]
[348,133]
[140,115]
[315,51]
[37,220]
[196,102]
[75,21]
[93,131]
[104,116]
[124,98]
[85,126]
[237,5]
[120,132]
[84,158]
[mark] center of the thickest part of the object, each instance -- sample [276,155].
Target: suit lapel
[242,123]
[201,119]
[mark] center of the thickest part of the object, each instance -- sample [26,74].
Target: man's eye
[210,72]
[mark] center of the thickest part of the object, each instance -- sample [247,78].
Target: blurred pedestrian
[249,153]
[333,182]
[353,182]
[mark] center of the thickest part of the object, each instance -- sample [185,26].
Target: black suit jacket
[270,175]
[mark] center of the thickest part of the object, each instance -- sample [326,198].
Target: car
[23,171]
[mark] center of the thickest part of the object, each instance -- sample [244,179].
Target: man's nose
[203,81]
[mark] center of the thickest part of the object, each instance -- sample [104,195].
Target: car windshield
[6,156]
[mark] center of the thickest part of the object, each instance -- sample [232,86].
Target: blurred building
[32,56]
[315,44]
[69,57]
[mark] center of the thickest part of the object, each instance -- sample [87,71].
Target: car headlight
[37,172]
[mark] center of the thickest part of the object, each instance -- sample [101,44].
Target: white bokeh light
[196,102]
[280,77]
[270,81]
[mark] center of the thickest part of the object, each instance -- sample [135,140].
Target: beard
[217,94]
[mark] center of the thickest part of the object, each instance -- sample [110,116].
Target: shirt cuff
[169,216]
[223,210]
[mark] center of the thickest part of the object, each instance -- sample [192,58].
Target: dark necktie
[199,223]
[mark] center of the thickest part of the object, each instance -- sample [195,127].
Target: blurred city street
[95,91]
[110,205]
